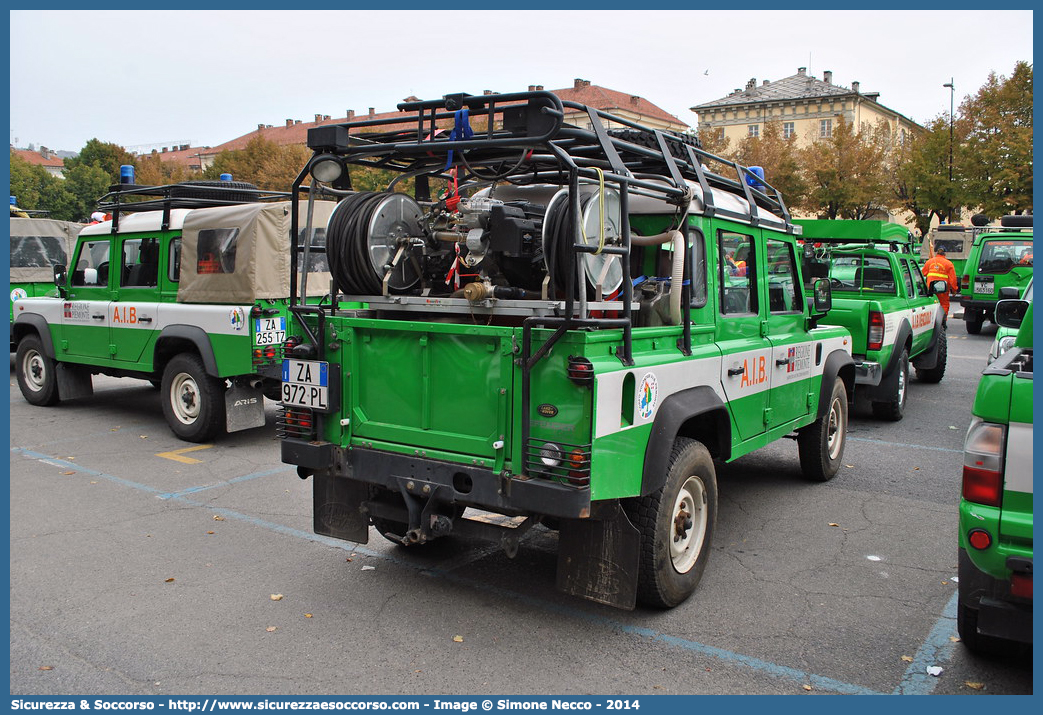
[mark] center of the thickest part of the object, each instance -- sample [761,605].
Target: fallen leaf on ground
[307,615]
[270,629]
[975,686]
[93,482]
[954,639]
[952,426]
[276,597]
[833,523]
[210,532]
[850,466]
[458,639]
[68,473]
[169,580]
[806,686]
[143,436]
[218,517]
[916,469]
[46,667]
[907,658]
[348,559]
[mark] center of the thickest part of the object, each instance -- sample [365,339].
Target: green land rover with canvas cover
[37,246]
[995,525]
[558,337]
[881,297]
[187,287]
[999,258]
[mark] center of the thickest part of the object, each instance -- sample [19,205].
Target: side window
[140,262]
[784,290]
[697,271]
[920,281]
[317,261]
[92,264]
[907,278]
[216,250]
[736,273]
[37,251]
[174,264]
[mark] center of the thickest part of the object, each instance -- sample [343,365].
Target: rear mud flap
[336,503]
[598,559]
[74,381]
[244,408]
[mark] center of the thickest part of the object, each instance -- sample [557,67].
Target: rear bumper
[446,482]
[978,304]
[1000,614]
[868,373]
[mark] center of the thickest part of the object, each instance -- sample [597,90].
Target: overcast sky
[207,77]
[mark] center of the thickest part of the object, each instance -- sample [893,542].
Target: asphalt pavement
[143,565]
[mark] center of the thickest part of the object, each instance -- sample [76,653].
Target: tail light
[983,463]
[965,282]
[875,338]
[581,370]
[1021,584]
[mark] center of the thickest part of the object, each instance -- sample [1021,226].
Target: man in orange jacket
[940,268]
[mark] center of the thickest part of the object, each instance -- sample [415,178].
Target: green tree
[29,182]
[153,171]
[845,172]
[780,159]
[84,184]
[106,155]
[995,156]
[261,162]
[918,173]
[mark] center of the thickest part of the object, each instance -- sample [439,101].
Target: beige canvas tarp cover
[255,260]
[33,255]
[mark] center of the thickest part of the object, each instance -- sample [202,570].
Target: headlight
[1001,346]
[326,168]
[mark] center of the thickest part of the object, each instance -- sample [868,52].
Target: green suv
[998,259]
[995,531]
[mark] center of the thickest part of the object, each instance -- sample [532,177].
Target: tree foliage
[845,172]
[780,157]
[105,155]
[995,155]
[261,162]
[153,171]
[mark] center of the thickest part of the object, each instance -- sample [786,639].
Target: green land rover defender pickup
[187,287]
[999,258]
[557,331]
[881,297]
[995,533]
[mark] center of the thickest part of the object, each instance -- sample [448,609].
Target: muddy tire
[676,524]
[893,409]
[974,323]
[37,374]
[821,444]
[193,401]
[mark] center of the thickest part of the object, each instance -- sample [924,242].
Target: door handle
[98,317]
[781,361]
[734,371]
[144,320]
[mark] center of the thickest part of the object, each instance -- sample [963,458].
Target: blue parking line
[244,478]
[903,444]
[937,648]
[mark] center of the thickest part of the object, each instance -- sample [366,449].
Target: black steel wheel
[676,523]
[36,373]
[893,408]
[821,444]
[193,401]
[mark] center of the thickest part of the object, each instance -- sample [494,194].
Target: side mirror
[938,287]
[1010,292]
[1010,312]
[61,279]
[821,300]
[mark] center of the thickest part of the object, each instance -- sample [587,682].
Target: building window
[753,130]
[901,136]
[787,130]
[825,128]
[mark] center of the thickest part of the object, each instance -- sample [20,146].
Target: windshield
[1001,256]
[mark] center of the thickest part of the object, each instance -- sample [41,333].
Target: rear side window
[216,250]
[37,251]
[907,278]
[697,247]
[784,290]
[174,264]
[736,273]
[1001,256]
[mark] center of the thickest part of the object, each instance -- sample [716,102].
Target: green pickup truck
[881,297]
[569,335]
[999,258]
[996,513]
[187,286]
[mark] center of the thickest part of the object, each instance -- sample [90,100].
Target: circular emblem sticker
[18,293]
[647,395]
[237,318]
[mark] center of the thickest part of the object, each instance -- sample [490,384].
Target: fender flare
[193,334]
[27,322]
[696,412]
[905,334]
[929,357]
[837,364]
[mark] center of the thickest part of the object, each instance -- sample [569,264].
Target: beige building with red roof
[187,156]
[51,162]
[629,106]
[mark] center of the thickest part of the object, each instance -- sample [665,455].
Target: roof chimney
[801,71]
[325,117]
[486,92]
[827,76]
[296,121]
[634,99]
[260,126]
[351,114]
[532,88]
[854,87]
[539,87]
[764,83]
[164,150]
[289,122]
[183,147]
[371,112]
[751,84]
[318,118]
[580,83]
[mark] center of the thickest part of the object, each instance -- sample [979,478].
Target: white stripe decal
[213,319]
[1017,475]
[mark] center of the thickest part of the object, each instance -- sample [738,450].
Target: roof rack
[134,198]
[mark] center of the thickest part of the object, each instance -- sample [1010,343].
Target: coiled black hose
[347,244]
